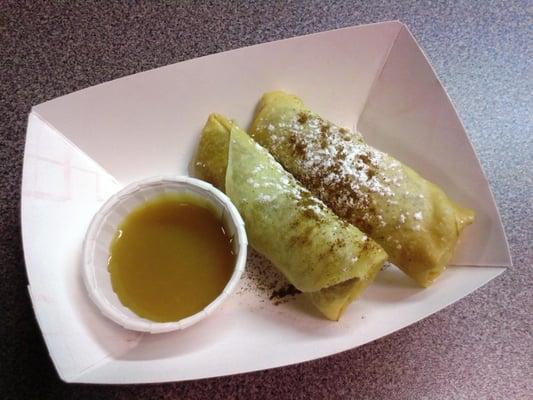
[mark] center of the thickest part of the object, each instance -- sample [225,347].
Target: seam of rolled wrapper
[96,277]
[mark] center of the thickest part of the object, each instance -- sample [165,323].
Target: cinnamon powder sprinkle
[283,292]
[336,165]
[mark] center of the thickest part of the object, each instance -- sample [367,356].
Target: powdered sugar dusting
[402,218]
[338,166]
[269,187]
[360,183]
[264,198]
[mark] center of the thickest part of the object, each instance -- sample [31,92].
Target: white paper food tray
[83,147]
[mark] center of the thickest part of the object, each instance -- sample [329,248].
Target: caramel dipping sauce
[170,258]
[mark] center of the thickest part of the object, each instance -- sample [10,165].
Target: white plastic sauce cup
[103,228]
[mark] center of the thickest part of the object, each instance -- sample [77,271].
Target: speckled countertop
[478,348]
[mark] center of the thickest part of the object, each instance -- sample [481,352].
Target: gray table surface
[479,348]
